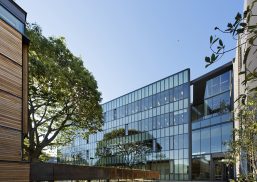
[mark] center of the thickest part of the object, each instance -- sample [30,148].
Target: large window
[212,139]
[217,104]
[218,85]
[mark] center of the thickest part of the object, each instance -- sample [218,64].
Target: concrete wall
[239,66]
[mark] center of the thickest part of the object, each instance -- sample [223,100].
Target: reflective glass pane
[12,20]
[185,76]
[166,83]
[216,139]
[205,140]
[226,135]
[171,81]
[175,82]
[180,78]
[225,82]
[196,142]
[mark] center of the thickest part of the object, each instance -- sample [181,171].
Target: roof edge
[219,69]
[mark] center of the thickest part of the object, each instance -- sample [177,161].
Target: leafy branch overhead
[241,27]
[63,94]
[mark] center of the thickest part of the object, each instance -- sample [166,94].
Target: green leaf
[207,59]
[240,30]
[246,12]
[211,39]
[243,24]
[213,57]
[238,17]
[230,25]
[220,43]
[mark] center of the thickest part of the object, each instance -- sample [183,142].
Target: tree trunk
[34,156]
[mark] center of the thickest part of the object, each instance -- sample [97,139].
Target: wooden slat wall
[13,104]
[10,144]
[11,42]
[10,77]
[18,172]
[10,111]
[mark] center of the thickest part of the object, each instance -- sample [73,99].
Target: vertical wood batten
[25,89]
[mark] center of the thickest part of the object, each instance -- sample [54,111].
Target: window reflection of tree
[126,151]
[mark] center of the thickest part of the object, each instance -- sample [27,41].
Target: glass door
[219,171]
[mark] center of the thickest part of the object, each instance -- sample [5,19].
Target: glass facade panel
[215,139]
[196,142]
[226,135]
[11,19]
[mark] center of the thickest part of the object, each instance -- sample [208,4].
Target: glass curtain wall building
[212,125]
[157,115]
[157,127]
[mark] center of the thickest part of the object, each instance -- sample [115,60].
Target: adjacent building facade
[244,62]
[176,125]
[13,91]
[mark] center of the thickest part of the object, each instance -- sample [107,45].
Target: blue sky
[127,44]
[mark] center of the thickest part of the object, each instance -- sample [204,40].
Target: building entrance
[221,170]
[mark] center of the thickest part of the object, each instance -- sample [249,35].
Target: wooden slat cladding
[18,172]
[25,88]
[13,104]
[10,42]
[10,111]
[10,144]
[10,77]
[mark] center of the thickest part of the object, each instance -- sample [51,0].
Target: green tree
[63,95]
[244,147]
[244,28]
[129,153]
